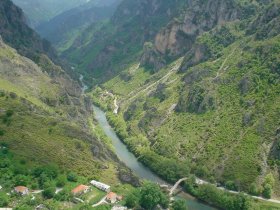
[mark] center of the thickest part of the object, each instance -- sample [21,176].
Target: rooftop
[80,188]
[111,195]
[21,188]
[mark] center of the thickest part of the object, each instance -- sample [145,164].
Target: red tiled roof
[80,188]
[111,195]
[21,189]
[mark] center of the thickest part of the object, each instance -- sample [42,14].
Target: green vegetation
[148,197]
[214,113]
[179,205]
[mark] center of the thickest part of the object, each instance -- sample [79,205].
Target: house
[21,190]
[119,208]
[81,189]
[111,197]
[100,185]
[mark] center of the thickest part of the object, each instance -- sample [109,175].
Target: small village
[81,194]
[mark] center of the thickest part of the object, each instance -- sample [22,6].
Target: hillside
[16,33]
[64,28]
[103,52]
[47,131]
[203,93]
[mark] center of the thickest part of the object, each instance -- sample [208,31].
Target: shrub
[254,190]
[267,191]
[4,199]
[132,200]
[230,185]
[61,181]
[151,196]
[72,177]
[63,196]
[49,192]
[179,205]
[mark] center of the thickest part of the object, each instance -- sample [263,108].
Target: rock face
[17,34]
[179,36]
[151,58]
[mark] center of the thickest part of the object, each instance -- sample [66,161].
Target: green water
[137,167]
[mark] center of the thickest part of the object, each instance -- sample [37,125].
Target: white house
[119,208]
[100,185]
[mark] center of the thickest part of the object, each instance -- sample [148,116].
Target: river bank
[137,167]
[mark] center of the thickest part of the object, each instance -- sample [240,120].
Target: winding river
[137,167]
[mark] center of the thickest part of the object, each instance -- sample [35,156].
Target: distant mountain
[97,51]
[39,11]
[63,29]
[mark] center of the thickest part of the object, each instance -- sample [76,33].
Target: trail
[116,110]
[201,182]
[102,201]
[146,89]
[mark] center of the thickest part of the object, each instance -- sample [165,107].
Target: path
[200,182]
[116,109]
[137,92]
[102,201]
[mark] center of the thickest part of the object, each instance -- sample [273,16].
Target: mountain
[196,85]
[63,29]
[41,11]
[121,39]
[190,86]
[16,33]
[47,134]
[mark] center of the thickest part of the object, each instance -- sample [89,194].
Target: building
[100,185]
[81,189]
[112,197]
[119,208]
[21,190]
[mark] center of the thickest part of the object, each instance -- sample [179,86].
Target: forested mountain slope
[63,29]
[202,94]
[45,120]
[16,33]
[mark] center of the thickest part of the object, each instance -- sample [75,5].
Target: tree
[179,205]
[49,192]
[267,191]
[72,177]
[61,181]
[132,200]
[230,185]
[254,190]
[151,196]
[4,200]
[269,179]
[21,180]
[63,196]
[242,202]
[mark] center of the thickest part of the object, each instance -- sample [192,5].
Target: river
[137,167]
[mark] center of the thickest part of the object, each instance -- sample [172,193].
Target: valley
[143,104]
